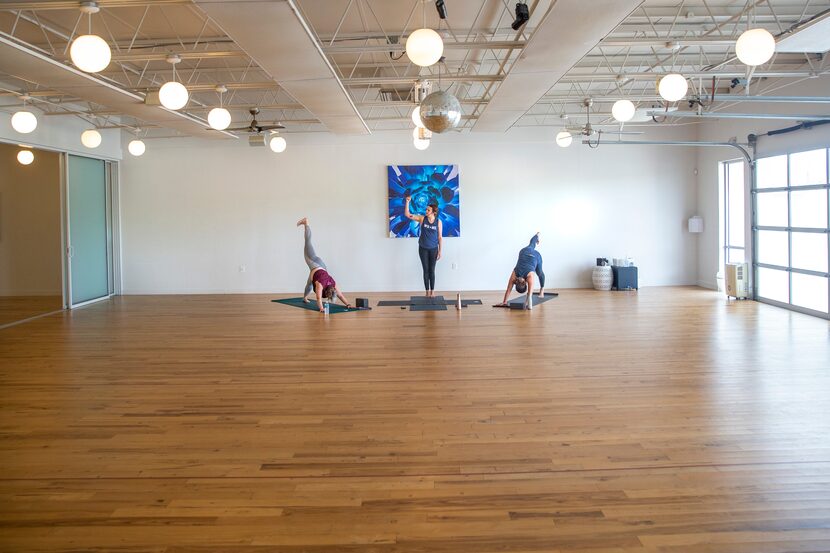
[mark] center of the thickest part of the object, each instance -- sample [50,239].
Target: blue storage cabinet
[625,278]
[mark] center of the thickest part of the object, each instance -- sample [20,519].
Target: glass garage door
[791,231]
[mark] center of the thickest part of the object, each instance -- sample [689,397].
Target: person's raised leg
[311,258]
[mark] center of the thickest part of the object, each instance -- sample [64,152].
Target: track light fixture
[442,9]
[522,16]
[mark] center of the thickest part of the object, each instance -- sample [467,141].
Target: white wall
[30,224]
[720,130]
[194,211]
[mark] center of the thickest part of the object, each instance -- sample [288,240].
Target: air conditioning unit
[737,280]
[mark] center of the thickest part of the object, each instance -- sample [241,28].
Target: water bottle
[326,308]
[458,301]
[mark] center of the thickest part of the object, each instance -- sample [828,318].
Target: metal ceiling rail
[719,115]
[570,77]
[357,81]
[448,45]
[73,5]
[185,55]
[739,147]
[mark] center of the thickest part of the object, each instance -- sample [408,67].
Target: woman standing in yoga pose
[429,242]
[318,277]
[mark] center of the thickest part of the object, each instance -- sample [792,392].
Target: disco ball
[440,111]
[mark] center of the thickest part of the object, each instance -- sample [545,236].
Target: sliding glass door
[89,258]
[791,231]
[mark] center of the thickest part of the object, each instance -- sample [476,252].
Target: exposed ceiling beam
[73,5]
[358,81]
[718,115]
[571,77]
[448,45]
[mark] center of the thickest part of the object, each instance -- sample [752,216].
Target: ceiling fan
[255,127]
[588,129]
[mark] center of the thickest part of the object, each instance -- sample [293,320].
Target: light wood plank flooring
[662,420]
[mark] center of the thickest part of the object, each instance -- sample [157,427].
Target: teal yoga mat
[312,305]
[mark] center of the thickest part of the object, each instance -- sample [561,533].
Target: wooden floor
[18,308]
[666,420]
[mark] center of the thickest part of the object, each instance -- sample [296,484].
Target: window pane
[810,251]
[810,292]
[772,209]
[771,172]
[809,208]
[735,197]
[773,247]
[774,285]
[808,168]
[736,255]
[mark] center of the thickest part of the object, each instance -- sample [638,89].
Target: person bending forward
[319,279]
[529,262]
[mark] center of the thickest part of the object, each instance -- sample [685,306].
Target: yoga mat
[427,307]
[519,303]
[312,305]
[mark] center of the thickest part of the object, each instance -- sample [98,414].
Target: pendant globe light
[424,47]
[416,116]
[219,118]
[136,147]
[563,137]
[91,138]
[277,143]
[623,110]
[421,138]
[173,94]
[755,47]
[24,121]
[25,157]
[673,87]
[90,52]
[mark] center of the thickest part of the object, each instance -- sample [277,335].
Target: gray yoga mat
[519,303]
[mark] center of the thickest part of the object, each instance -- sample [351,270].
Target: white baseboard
[710,284]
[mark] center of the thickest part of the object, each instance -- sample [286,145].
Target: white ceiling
[339,65]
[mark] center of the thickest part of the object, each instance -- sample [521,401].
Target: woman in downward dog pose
[319,279]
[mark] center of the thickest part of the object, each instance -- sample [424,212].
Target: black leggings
[428,259]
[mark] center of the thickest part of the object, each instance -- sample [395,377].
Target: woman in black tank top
[429,242]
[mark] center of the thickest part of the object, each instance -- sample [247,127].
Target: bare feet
[303,221]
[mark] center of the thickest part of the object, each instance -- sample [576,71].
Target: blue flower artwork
[426,184]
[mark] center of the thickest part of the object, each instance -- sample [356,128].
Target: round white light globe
[219,119]
[173,95]
[673,87]
[91,138]
[24,122]
[420,144]
[90,53]
[136,147]
[424,47]
[25,157]
[623,110]
[278,144]
[416,117]
[564,139]
[755,47]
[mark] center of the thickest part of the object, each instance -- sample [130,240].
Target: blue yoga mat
[312,305]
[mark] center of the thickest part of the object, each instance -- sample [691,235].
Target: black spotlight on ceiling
[442,9]
[522,15]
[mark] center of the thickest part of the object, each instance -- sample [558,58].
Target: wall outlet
[243,268]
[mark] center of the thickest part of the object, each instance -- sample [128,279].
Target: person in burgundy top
[319,279]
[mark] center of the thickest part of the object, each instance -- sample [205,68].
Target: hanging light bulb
[755,47]
[421,138]
[24,122]
[173,95]
[90,53]
[420,144]
[673,87]
[25,157]
[219,118]
[91,138]
[416,116]
[136,147]
[424,47]
[623,110]
[277,144]
[564,139]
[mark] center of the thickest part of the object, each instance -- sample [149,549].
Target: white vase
[602,277]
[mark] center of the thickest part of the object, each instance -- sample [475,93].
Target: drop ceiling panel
[566,33]
[275,37]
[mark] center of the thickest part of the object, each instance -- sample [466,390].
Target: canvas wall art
[425,184]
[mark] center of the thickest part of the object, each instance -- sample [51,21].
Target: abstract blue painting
[426,184]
